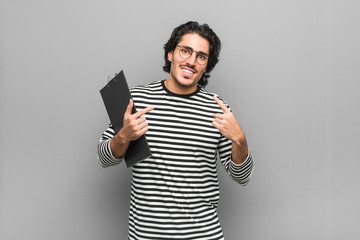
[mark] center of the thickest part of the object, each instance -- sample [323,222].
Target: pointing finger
[143,111]
[221,104]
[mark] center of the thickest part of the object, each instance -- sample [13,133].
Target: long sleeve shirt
[175,192]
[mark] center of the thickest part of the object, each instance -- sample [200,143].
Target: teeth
[187,71]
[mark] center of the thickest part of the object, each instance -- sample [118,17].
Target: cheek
[203,70]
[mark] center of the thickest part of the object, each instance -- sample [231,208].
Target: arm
[104,153]
[111,147]
[239,163]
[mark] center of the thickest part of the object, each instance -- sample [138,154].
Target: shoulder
[209,96]
[150,86]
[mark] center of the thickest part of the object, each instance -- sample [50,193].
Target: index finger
[143,111]
[223,107]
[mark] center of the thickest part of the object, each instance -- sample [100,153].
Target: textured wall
[289,70]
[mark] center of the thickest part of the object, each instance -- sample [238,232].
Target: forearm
[241,166]
[118,146]
[239,151]
[104,152]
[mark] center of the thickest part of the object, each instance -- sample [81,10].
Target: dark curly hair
[202,30]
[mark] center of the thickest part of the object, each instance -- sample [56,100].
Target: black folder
[116,97]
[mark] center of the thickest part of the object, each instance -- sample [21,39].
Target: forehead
[196,42]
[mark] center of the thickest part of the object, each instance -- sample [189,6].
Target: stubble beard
[179,84]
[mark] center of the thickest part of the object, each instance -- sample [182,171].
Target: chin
[186,82]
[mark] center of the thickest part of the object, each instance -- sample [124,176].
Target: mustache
[189,66]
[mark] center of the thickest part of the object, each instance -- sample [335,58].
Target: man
[175,192]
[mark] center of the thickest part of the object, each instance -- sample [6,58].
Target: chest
[183,122]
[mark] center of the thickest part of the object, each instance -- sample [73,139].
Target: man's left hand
[230,128]
[227,124]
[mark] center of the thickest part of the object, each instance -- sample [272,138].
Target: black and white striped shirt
[175,192]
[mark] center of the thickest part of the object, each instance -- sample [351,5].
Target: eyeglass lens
[187,52]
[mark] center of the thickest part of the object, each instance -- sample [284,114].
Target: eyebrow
[190,48]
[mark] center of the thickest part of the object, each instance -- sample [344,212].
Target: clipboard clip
[111,78]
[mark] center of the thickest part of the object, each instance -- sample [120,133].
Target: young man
[175,192]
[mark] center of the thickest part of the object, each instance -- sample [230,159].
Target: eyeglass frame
[192,51]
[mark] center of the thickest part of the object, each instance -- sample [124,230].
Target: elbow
[243,175]
[101,161]
[102,154]
[243,181]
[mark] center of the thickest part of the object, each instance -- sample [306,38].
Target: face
[185,73]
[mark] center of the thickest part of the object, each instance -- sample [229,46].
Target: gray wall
[289,69]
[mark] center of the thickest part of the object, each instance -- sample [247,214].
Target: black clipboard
[116,96]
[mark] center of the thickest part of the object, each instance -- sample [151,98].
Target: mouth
[188,72]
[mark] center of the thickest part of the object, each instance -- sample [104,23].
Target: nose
[192,59]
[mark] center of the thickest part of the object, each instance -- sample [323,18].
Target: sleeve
[104,153]
[240,173]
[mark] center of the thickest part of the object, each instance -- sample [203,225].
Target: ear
[170,55]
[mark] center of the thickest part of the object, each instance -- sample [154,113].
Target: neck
[173,86]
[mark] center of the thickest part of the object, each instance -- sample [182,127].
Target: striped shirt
[175,192]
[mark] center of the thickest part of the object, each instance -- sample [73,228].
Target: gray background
[289,69]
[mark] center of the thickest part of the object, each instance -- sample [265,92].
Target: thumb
[129,108]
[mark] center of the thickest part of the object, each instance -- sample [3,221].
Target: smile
[187,72]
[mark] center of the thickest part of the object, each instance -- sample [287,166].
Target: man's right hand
[134,126]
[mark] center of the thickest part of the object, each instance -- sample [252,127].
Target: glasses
[186,52]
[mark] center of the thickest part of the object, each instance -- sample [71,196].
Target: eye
[202,57]
[185,51]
